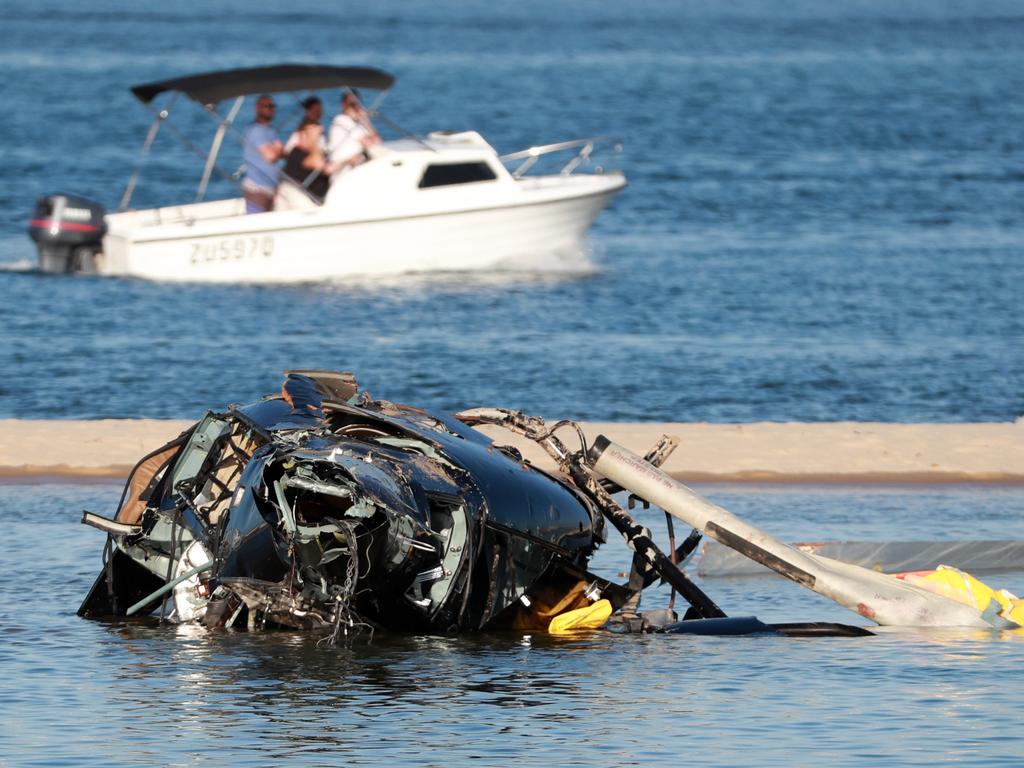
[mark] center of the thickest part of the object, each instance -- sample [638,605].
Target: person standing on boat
[261,149]
[313,109]
[351,133]
[306,164]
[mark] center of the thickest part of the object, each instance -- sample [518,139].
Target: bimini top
[212,87]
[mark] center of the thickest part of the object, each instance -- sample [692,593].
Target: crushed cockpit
[319,508]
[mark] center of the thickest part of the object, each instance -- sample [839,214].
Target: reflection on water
[99,693]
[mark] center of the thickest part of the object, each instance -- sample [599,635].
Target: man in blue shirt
[260,150]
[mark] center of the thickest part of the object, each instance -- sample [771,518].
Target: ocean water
[823,220]
[91,693]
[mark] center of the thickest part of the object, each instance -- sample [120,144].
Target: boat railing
[585,149]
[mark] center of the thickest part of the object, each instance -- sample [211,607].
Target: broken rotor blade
[657,456]
[876,596]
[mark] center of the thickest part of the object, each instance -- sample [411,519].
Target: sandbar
[761,452]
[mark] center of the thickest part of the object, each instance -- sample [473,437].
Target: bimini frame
[210,88]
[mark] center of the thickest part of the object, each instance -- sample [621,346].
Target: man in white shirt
[351,133]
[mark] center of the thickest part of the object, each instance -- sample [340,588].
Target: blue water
[824,221]
[824,217]
[88,693]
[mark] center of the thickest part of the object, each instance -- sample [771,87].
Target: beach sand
[757,452]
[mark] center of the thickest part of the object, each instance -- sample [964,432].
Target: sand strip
[763,452]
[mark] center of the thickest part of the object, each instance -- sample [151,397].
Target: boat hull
[316,245]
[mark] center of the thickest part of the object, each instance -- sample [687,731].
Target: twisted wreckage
[320,508]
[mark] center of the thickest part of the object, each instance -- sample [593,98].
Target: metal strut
[638,538]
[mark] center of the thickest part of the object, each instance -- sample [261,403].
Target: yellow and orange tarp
[960,586]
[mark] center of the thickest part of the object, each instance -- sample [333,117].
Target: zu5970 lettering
[232,249]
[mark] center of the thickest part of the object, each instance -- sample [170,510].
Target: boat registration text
[232,249]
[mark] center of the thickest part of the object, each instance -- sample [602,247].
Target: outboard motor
[68,232]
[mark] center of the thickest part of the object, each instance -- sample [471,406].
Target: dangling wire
[108,567]
[171,559]
[672,556]
[345,619]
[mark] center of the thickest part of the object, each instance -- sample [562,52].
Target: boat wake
[23,266]
[536,269]
[575,262]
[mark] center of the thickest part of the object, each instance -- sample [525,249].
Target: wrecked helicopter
[320,508]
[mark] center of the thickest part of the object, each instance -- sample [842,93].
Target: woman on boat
[306,164]
[313,108]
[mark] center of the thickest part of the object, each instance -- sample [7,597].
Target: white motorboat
[446,201]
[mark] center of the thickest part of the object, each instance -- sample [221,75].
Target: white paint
[189,603]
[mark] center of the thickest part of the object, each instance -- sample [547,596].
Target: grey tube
[168,587]
[106,525]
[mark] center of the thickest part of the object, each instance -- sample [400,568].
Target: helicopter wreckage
[323,509]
